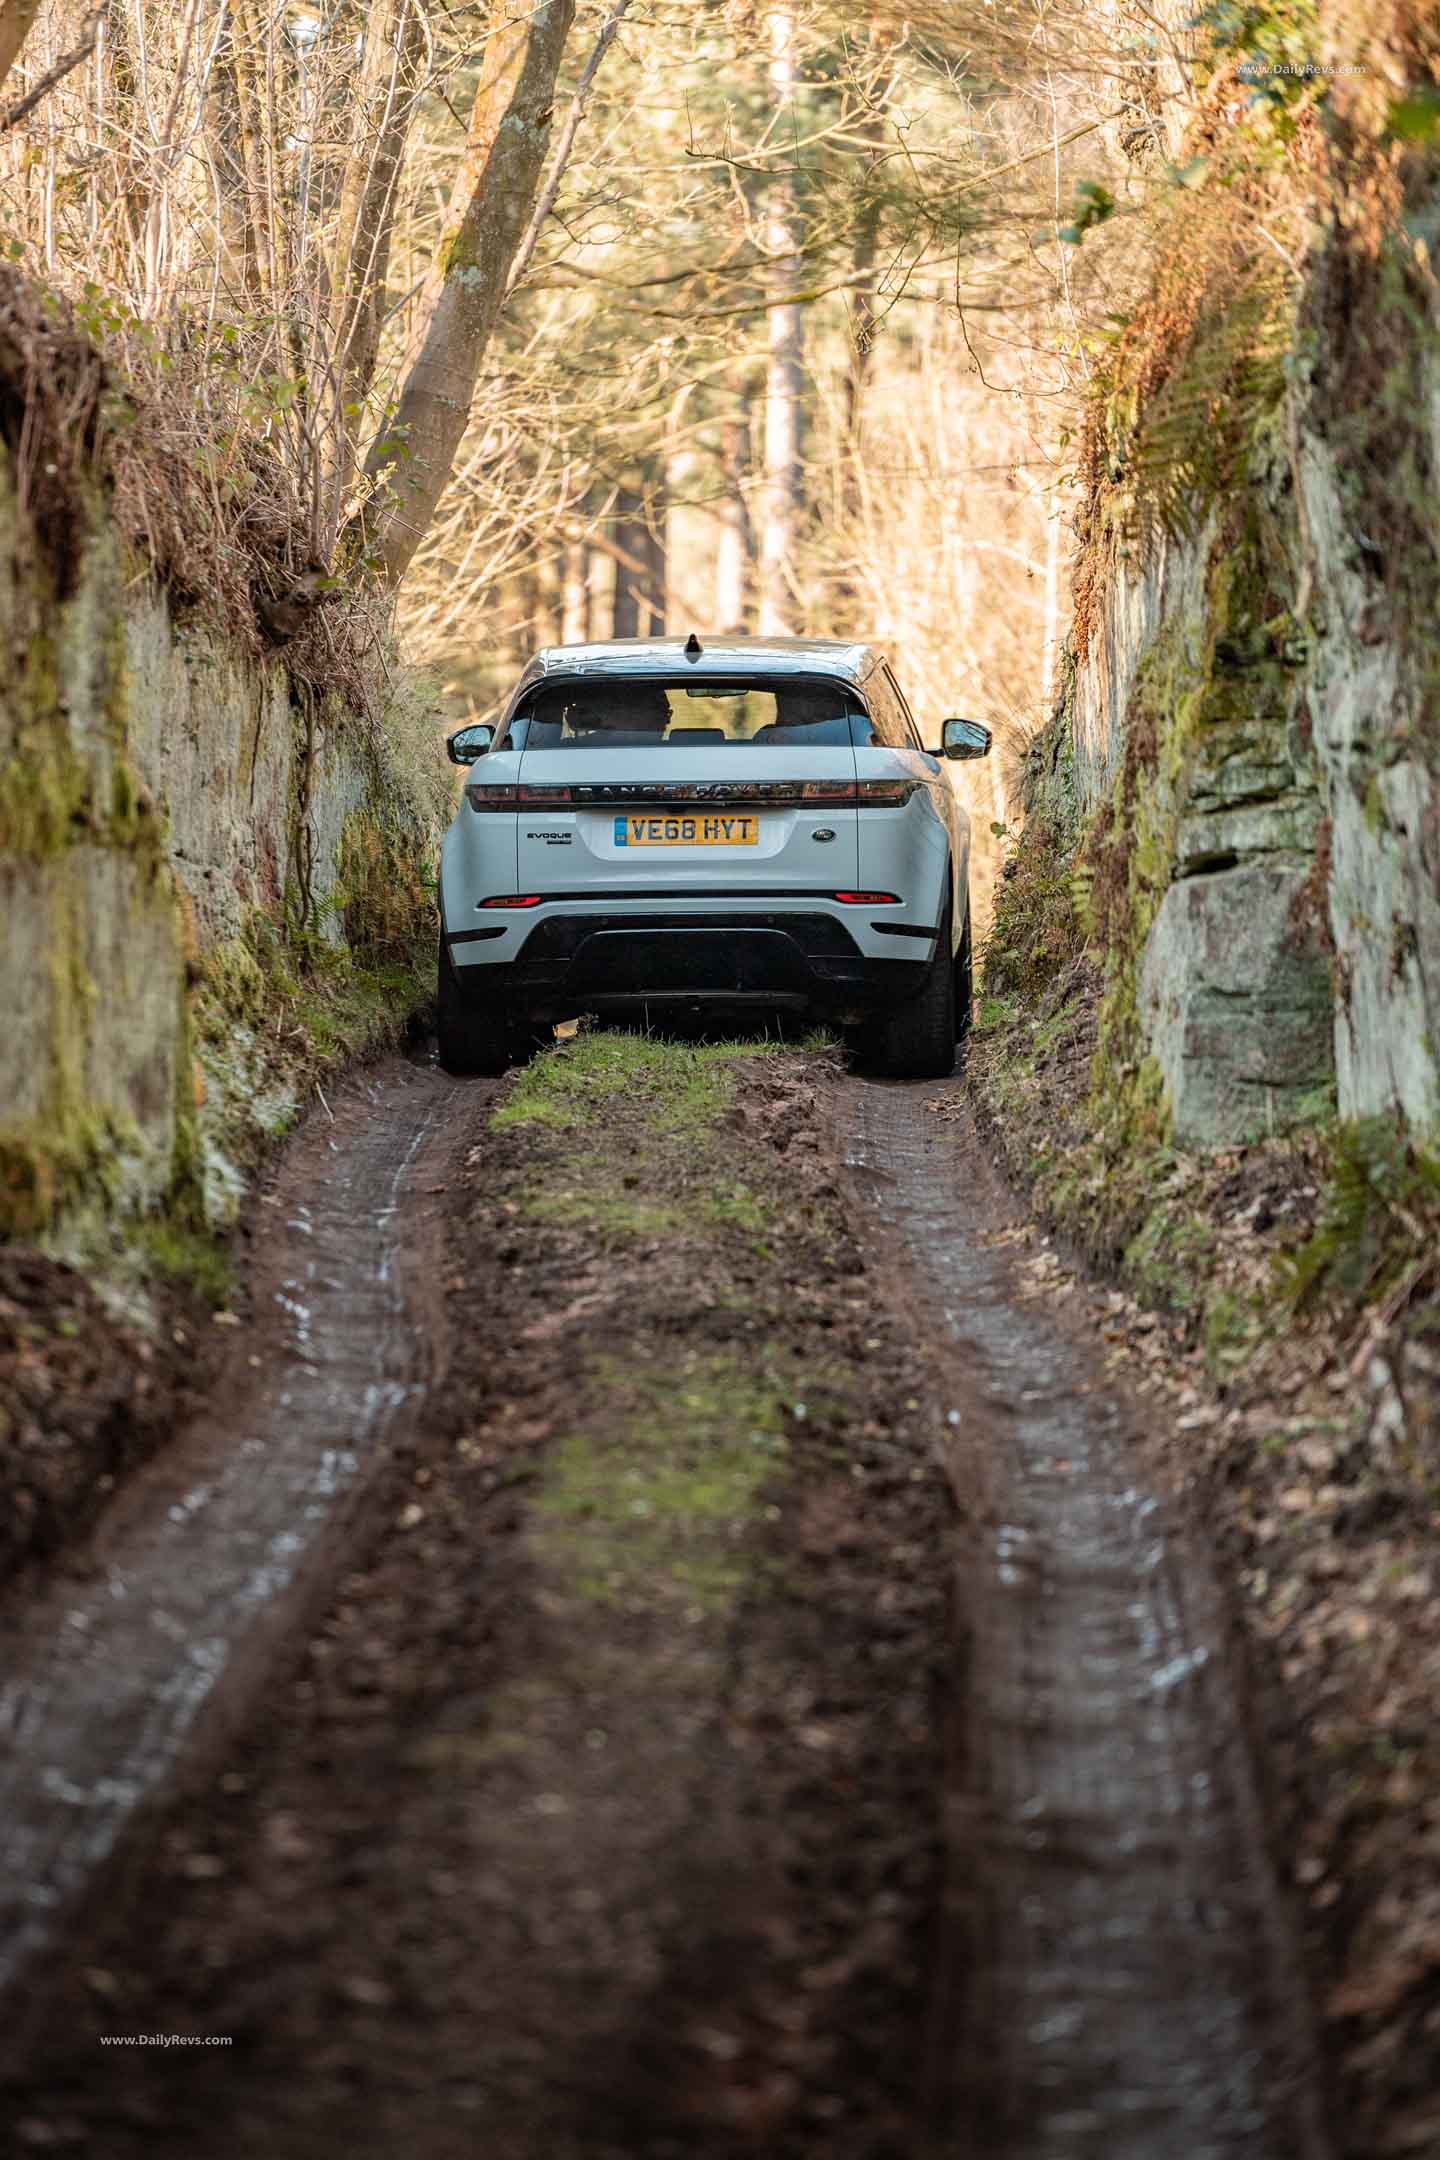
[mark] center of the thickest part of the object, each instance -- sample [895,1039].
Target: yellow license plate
[688,828]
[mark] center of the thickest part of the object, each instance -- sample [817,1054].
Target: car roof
[718,656]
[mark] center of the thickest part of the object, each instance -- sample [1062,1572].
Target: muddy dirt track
[662,1643]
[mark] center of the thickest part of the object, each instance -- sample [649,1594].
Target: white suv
[741,823]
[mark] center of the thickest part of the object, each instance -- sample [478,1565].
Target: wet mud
[761,1706]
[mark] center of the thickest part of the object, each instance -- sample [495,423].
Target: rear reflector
[522,899]
[869,899]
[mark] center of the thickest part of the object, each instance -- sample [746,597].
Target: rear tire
[916,1040]
[473,1039]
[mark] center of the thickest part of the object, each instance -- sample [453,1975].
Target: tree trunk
[785,373]
[657,583]
[850,503]
[575,594]
[384,107]
[597,586]
[1052,613]
[550,600]
[871,131]
[632,562]
[546,200]
[736,550]
[520,638]
[16,20]
[245,35]
[239,246]
[496,185]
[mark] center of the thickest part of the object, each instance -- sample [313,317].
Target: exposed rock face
[1140,603]
[1236,1005]
[1382,792]
[1245,763]
[92,1050]
[1290,954]
[155,788]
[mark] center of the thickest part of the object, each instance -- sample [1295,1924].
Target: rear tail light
[519,899]
[872,794]
[886,794]
[869,899]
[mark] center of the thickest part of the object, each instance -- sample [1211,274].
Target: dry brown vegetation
[260,221]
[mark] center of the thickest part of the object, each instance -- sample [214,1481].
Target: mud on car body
[747,823]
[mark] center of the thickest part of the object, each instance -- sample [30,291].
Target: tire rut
[1117,1975]
[144,1654]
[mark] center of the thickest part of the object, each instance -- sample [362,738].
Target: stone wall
[1372,687]
[157,786]
[1283,680]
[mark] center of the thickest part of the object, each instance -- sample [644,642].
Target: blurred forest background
[536,322]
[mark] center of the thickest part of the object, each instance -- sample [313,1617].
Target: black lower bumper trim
[599,963]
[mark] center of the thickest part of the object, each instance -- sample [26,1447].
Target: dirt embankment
[602,1813]
[85,1396]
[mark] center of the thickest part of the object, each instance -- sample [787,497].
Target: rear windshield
[616,714]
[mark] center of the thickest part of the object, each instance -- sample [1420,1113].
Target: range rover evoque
[721,824]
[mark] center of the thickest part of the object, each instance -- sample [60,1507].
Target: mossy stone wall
[159,790]
[1246,755]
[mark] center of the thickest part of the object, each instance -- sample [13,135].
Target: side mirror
[964,739]
[469,743]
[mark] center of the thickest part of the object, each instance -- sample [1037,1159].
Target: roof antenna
[693,647]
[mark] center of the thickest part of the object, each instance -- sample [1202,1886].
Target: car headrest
[697,734]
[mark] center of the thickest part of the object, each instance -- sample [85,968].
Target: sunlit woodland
[571,323]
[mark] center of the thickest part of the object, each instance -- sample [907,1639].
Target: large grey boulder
[1236,1003]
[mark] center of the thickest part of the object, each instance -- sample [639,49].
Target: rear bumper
[597,962]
